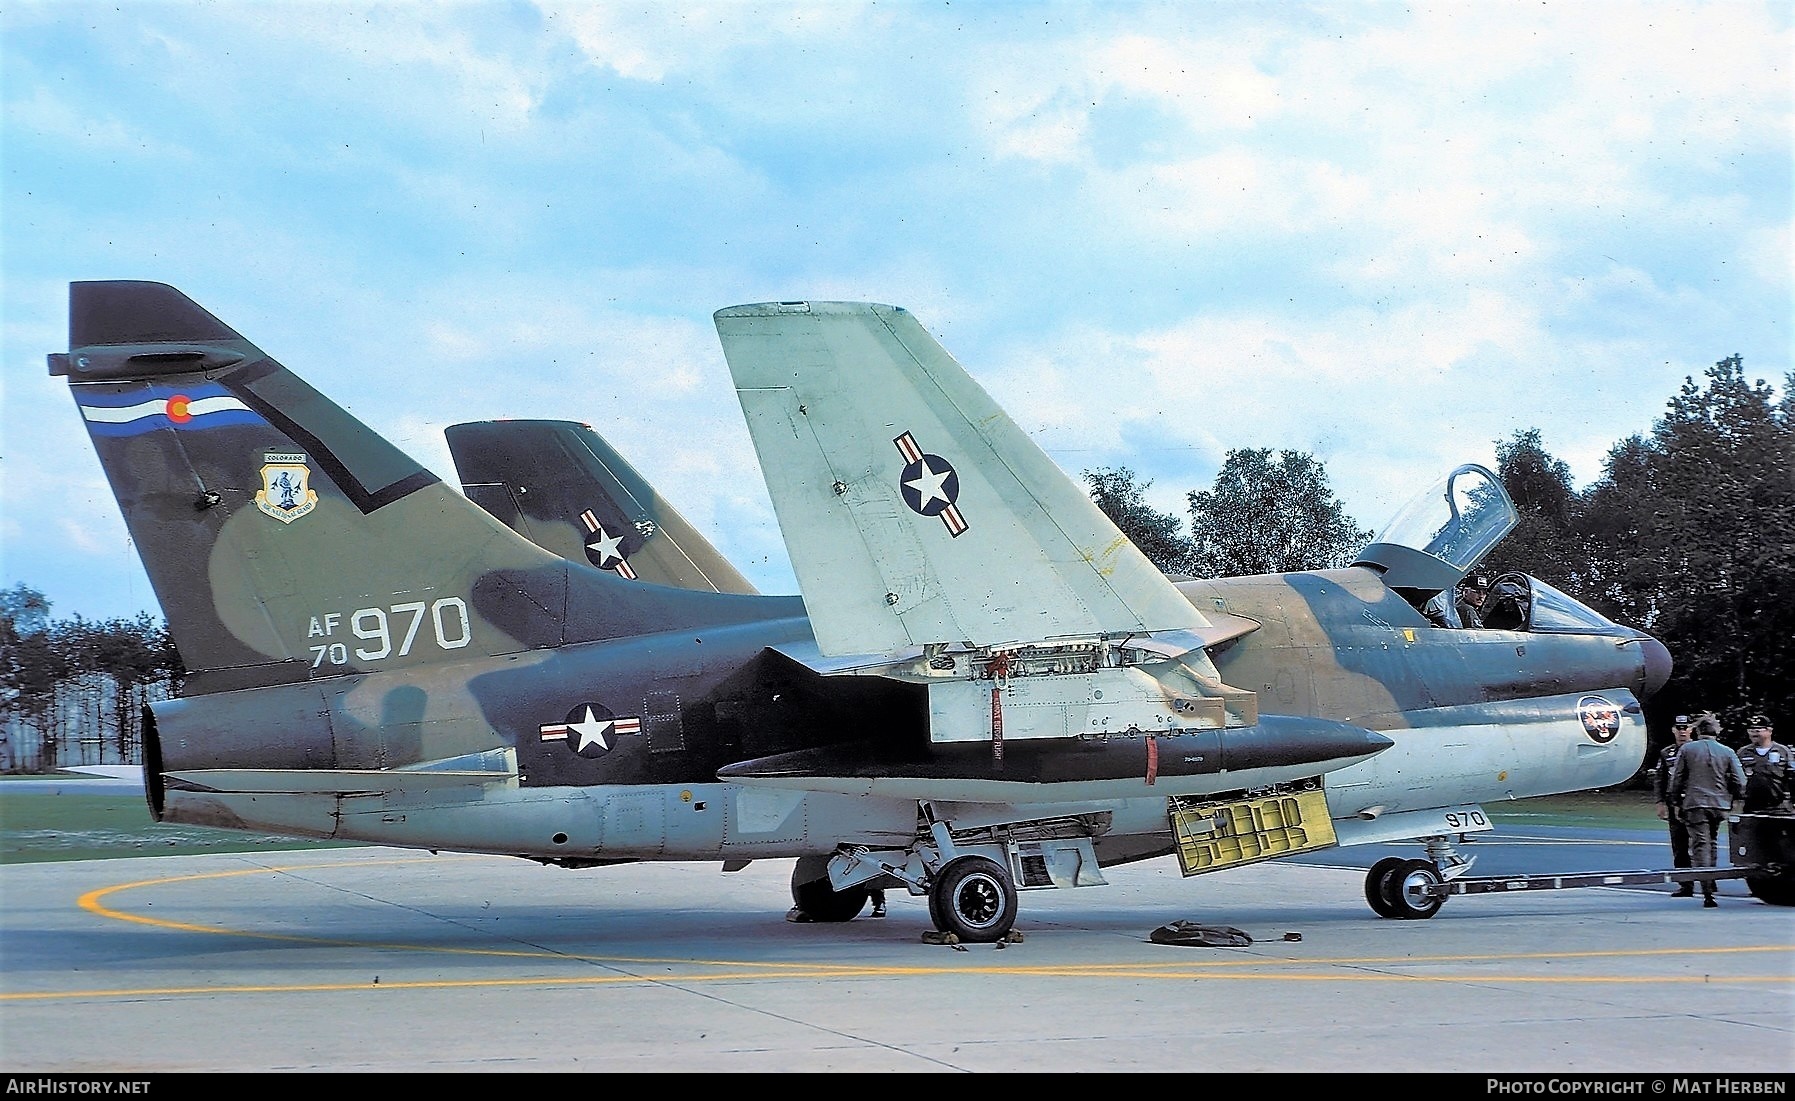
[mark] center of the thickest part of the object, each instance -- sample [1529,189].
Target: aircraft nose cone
[1657,665]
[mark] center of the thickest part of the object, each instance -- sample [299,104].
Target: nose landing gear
[1403,889]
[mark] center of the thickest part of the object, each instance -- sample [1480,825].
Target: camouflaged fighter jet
[991,691]
[560,485]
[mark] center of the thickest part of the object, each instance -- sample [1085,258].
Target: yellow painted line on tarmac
[1143,972]
[1491,957]
[1253,968]
[92,904]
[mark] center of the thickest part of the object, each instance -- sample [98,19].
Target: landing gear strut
[970,877]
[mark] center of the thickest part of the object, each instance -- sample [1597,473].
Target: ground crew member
[1705,780]
[1766,764]
[1681,729]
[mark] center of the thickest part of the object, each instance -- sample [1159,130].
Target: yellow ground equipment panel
[1225,833]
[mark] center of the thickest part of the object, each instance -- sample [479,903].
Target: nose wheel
[1402,889]
[974,900]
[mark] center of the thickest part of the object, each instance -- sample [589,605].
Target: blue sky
[1386,234]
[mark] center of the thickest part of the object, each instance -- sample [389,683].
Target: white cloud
[653,42]
[1387,235]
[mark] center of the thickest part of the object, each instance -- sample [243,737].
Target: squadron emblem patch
[930,485]
[286,492]
[1600,718]
[591,730]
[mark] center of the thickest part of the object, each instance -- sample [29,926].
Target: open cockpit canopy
[1443,533]
[1440,535]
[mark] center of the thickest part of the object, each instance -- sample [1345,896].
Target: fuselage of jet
[615,759]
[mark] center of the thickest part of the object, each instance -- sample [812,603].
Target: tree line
[1689,533]
[72,691]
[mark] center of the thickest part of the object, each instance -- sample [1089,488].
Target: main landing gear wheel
[812,893]
[1406,890]
[972,898]
[1377,892]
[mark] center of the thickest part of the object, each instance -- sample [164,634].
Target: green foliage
[1691,533]
[1156,533]
[1544,542]
[1270,515]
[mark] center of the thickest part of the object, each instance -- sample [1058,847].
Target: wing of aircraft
[561,486]
[917,515]
[985,690]
[863,424]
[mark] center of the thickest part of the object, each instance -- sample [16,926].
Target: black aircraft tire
[974,900]
[1377,886]
[821,902]
[1774,890]
[1404,893]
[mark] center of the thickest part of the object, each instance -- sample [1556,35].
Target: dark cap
[1760,719]
[1682,720]
[1476,581]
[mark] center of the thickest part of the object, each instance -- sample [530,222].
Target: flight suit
[1766,777]
[1679,833]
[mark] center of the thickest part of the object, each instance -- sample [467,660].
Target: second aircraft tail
[560,485]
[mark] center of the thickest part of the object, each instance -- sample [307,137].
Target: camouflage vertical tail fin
[560,485]
[285,539]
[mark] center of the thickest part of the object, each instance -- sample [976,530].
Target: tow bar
[1762,847]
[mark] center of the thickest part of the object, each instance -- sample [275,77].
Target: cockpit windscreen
[1554,611]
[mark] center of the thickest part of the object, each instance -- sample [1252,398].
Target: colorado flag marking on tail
[138,410]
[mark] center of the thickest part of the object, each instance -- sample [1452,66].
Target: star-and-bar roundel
[591,729]
[603,549]
[930,485]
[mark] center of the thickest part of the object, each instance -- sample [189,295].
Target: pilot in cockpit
[1469,605]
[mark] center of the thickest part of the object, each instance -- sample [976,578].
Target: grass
[42,826]
[1628,809]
